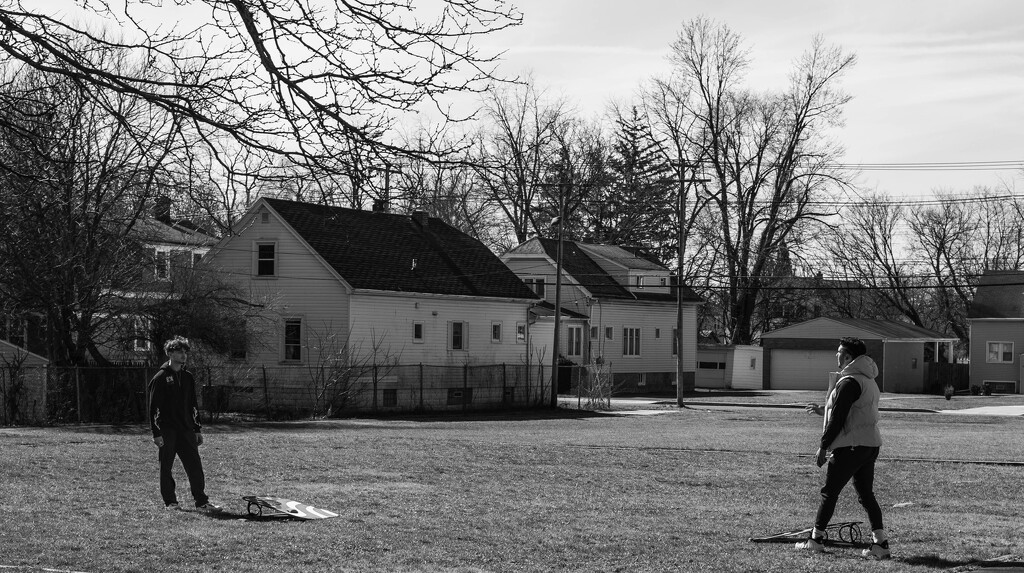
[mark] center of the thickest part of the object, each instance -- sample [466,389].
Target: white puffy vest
[861,427]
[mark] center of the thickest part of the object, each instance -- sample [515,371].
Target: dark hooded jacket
[172,401]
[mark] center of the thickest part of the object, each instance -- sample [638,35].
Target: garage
[801,369]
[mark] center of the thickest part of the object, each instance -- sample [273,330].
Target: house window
[389,397]
[14,330]
[162,260]
[496,332]
[536,285]
[640,282]
[417,332]
[140,333]
[631,342]
[574,341]
[293,339]
[608,332]
[520,333]
[657,333]
[457,335]
[460,396]
[999,352]
[753,363]
[661,281]
[196,259]
[264,217]
[266,259]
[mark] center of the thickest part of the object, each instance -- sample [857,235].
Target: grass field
[548,491]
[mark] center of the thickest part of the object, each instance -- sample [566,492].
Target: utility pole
[563,188]
[679,275]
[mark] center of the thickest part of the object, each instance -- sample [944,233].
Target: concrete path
[988,411]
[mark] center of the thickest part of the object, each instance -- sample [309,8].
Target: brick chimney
[162,209]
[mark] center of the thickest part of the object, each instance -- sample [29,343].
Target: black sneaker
[210,507]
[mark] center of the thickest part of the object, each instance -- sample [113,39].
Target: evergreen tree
[637,204]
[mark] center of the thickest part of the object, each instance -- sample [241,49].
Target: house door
[801,369]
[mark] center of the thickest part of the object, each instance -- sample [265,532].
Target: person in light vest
[850,443]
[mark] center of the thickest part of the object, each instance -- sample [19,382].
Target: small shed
[799,357]
[728,366]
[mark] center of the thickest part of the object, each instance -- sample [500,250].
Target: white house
[365,287]
[627,309]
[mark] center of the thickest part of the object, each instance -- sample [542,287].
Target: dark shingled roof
[1000,294]
[578,264]
[377,251]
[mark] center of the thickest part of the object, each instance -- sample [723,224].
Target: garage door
[801,369]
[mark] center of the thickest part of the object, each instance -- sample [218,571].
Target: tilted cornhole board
[845,534]
[260,506]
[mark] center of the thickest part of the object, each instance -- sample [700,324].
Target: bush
[975,389]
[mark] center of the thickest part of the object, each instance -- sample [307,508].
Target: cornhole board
[264,506]
[844,534]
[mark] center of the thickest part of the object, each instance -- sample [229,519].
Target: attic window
[264,217]
[266,259]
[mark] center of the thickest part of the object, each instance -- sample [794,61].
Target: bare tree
[301,79]
[515,150]
[768,156]
[866,247]
[77,172]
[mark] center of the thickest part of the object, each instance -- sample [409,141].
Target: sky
[937,81]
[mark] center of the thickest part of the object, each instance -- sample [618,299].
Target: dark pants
[851,462]
[183,445]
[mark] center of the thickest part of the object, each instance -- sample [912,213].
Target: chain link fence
[119,395]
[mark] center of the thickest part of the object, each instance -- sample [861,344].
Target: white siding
[389,320]
[745,377]
[303,288]
[655,353]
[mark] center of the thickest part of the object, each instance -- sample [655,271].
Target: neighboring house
[383,288]
[175,246]
[799,357]
[12,355]
[729,366]
[997,331]
[623,311]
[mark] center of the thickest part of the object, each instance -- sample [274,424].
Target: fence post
[266,391]
[421,386]
[504,382]
[375,387]
[78,393]
[465,384]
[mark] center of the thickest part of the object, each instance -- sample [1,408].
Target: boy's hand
[814,409]
[821,457]
[199,438]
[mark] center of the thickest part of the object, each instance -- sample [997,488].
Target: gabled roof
[882,329]
[581,266]
[1000,294]
[176,232]
[389,252]
[622,257]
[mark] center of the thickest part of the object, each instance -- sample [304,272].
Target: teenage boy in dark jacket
[174,418]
